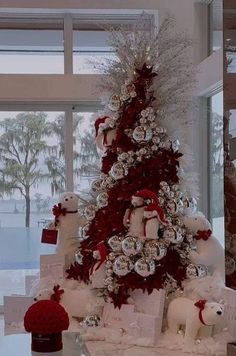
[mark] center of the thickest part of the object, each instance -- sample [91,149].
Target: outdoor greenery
[29,155]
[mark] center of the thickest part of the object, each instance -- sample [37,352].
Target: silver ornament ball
[122,265]
[90,212]
[131,246]
[102,200]
[92,321]
[196,271]
[142,134]
[79,257]
[145,267]
[155,250]
[115,243]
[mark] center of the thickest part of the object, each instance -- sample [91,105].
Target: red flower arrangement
[46,320]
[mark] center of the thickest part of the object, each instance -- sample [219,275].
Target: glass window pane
[230,50]
[32,173]
[90,49]
[217,165]
[31,51]
[216,25]
[87,158]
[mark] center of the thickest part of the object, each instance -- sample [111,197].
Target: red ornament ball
[46,317]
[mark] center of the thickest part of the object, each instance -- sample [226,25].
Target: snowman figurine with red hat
[133,218]
[153,216]
[105,132]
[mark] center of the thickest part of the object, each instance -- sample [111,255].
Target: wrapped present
[229,296]
[152,304]
[147,326]
[141,320]
[117,318]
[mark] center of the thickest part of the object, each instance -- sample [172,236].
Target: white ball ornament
[131,246]
[145,267]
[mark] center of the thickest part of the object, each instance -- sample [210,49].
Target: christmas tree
[135,235]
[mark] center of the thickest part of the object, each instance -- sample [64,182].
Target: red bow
[201,305]
[56,296]
[57,210]
[203,234]
[103,253]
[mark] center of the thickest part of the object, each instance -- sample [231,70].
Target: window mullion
[69,150]
[68,44]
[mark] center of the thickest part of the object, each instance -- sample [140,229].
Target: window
[32,172]
[216,166]
[216,25]
[90,50]
[31,51]
[87,159]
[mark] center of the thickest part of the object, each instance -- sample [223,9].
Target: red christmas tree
[140,161]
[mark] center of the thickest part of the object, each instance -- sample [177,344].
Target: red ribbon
[103,253]
[57,210]
[201,305]
[203,235]
[56,296]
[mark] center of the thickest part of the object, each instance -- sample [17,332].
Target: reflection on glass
[216,25]
[230,50]
[91,50]
[31,51]
[86,156]
[217,166]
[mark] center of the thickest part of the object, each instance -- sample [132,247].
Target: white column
[69,150]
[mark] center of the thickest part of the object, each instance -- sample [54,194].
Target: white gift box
[117,318]
[152,304]
[229,296]
[143,319]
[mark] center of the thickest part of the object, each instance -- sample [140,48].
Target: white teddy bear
[209,251]
[77,302]
[193,315]
[67,222]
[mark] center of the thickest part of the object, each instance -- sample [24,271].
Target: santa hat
[146,194]
[159,210]
[99,121]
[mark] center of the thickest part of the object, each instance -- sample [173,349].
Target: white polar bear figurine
[77,302]
[185,312]
[67,222]
[209,251]
[153,216]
